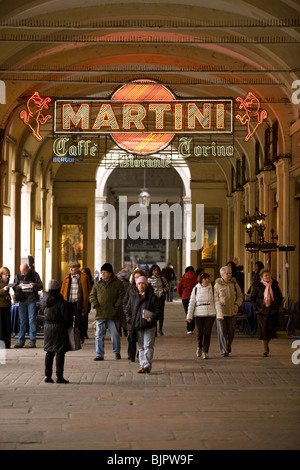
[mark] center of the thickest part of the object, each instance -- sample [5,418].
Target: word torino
[160,217]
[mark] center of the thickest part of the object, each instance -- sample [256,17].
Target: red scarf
[268,293]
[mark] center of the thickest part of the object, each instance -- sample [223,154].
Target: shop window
[72,241]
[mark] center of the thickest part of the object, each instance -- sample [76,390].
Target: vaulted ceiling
[221,48]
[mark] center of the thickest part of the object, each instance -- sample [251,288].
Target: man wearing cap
[106,298]
[75,289]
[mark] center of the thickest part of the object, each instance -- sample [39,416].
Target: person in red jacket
[184,290]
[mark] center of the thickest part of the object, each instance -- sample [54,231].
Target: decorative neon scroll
[253,116]
[33,117]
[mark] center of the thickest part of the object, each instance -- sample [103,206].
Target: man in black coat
[142,313]
[28,285]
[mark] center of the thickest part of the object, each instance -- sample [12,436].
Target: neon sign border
[130,101]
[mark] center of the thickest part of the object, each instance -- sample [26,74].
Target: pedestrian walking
[266,299]
[202,309]
[184,290]
[106,298]
[169,273]
[228,299]
[161,287]
[143,311]
[131,290]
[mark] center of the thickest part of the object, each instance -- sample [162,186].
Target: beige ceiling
[197,48]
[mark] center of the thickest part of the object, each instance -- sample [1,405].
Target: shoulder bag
[74,339]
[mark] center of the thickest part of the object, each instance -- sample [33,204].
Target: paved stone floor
[243,402]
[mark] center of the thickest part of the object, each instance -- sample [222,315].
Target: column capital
[17,177]
[44,192]
[283,164]
[3,168]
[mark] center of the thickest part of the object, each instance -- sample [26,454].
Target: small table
[15,318]
[249,309]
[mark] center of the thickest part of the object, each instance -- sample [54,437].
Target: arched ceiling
[221,48]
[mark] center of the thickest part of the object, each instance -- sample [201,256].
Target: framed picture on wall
[72,238]
[209,253]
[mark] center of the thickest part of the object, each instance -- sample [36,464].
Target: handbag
[74,339]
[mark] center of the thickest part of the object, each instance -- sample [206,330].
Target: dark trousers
[189,326]
[203,330]
[85,324]
[5,327]
[162,315]
[60,361]
[79,319]
[131,345]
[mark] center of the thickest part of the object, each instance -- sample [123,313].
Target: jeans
[27,314]
[113,328]
[146,339]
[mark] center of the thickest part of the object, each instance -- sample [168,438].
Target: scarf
[268,293]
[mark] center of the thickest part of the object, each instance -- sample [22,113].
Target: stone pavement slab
[243,402]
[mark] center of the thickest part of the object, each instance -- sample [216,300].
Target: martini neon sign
[143,117]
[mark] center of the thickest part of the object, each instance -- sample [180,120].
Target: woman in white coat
[202,308]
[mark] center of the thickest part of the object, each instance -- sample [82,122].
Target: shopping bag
[74,339]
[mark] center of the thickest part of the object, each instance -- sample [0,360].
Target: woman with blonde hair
[266,299]
[5,304]
[228,299]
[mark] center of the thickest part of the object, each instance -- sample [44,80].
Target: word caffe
[166,116]
[66,150]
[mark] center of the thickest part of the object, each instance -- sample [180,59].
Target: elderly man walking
[106,298]
[75,289]
[27,286]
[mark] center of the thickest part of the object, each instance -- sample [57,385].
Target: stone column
[237,226]
[229,228]
[16,185]
[186,232]
[44,193]
[3,169]
[265,206]
[248,262]
[283,217]
[100,241]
